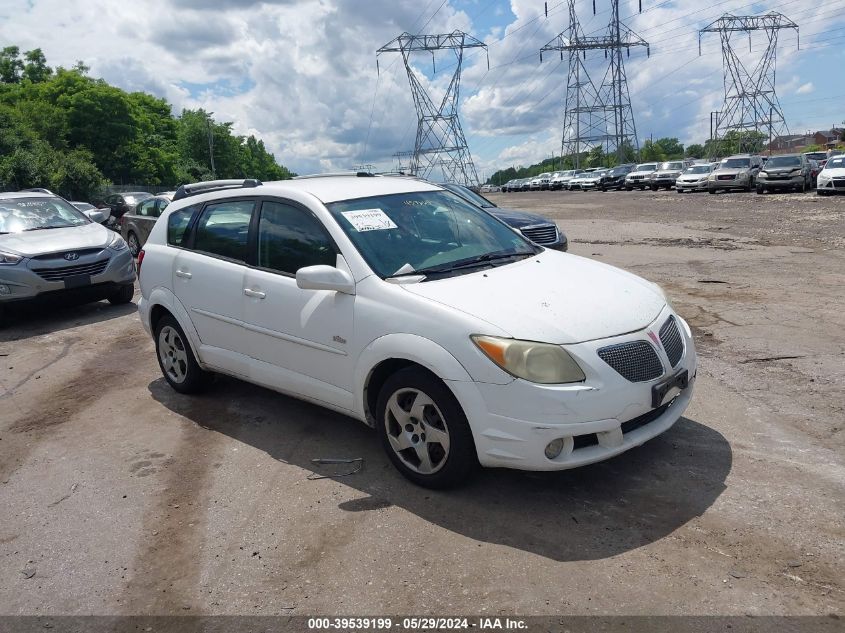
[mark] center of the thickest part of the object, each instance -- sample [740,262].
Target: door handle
[184,274]
[257,294]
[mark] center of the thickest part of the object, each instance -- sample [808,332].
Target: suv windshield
[427,232]
[31,214]
[783,161]
[735,163]
[646,167]
[672,166]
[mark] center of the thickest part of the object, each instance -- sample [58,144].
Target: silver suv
[735,172]
[49,248]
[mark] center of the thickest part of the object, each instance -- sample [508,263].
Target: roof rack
[334,174]
[185,191]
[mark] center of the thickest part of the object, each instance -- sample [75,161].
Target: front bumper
[663,181]
[640,182]
[21,282]
[732,183]
[602,417]
[695,185]
[781,183]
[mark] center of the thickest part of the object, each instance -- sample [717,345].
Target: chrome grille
[635,361]
[59,274]
[544,234]
[671,339]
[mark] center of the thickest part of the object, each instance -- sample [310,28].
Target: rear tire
[414,403]
[176,359]
[134,243]
[123,295]
[760,189]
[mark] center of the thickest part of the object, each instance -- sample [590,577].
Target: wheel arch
[393,352]
[163,302]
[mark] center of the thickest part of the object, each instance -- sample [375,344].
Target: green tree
[36,69]
[11,65]
[695,150]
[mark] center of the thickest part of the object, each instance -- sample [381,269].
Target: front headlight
[9,259]
[117,243]
[765,174]
[536,362]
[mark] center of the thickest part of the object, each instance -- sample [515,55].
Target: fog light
[5,290]
[554,448]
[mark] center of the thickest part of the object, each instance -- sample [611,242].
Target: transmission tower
[752,109]
[597,117]
[440,141]
[402,162]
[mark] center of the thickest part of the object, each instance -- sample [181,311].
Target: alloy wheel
[172,353]
[417,431]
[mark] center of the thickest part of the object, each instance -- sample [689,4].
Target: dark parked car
[121,203]
[136,225]
[790,171]
[535,227]
[615,178]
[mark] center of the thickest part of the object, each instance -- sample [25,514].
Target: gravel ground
[120,496]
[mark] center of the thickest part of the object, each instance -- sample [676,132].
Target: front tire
[424,430]
[760,189]
[176,359]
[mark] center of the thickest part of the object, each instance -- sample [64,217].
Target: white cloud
[302,74]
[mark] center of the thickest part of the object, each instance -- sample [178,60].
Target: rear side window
[290,238]
[177,224]
[223,229]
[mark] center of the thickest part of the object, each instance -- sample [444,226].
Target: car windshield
[735,163]
[470,195]
[135,198]
[783,161]
[435,233]
[698,169]
[836,163]
[647,167]
[33,214]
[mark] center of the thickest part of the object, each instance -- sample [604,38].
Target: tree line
[73,134]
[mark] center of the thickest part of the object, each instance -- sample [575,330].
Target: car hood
[838,172]
[640,173]
[71,238]
[686,177]
[551,297]
[517,218]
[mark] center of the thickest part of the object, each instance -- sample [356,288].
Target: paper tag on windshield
[369,220]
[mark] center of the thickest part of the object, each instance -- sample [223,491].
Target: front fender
[412,347]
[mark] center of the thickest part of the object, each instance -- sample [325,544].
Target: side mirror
[325,278]
[96,215]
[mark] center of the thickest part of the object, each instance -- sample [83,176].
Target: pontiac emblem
[71,256]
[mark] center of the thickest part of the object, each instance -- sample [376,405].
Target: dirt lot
[120,496]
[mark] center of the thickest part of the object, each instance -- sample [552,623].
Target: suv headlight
[117,243]
[9,259]
[536,362]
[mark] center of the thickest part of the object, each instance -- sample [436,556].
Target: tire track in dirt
[166,573]
[94,378]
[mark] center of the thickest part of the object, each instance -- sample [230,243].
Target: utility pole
[211,144]
[749,94]
[596,117]
[440,141]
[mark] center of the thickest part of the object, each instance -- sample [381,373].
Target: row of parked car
[748,172]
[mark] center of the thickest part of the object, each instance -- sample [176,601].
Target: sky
[302,74]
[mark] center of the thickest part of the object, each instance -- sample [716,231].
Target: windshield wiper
[43,228]
[480,260]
